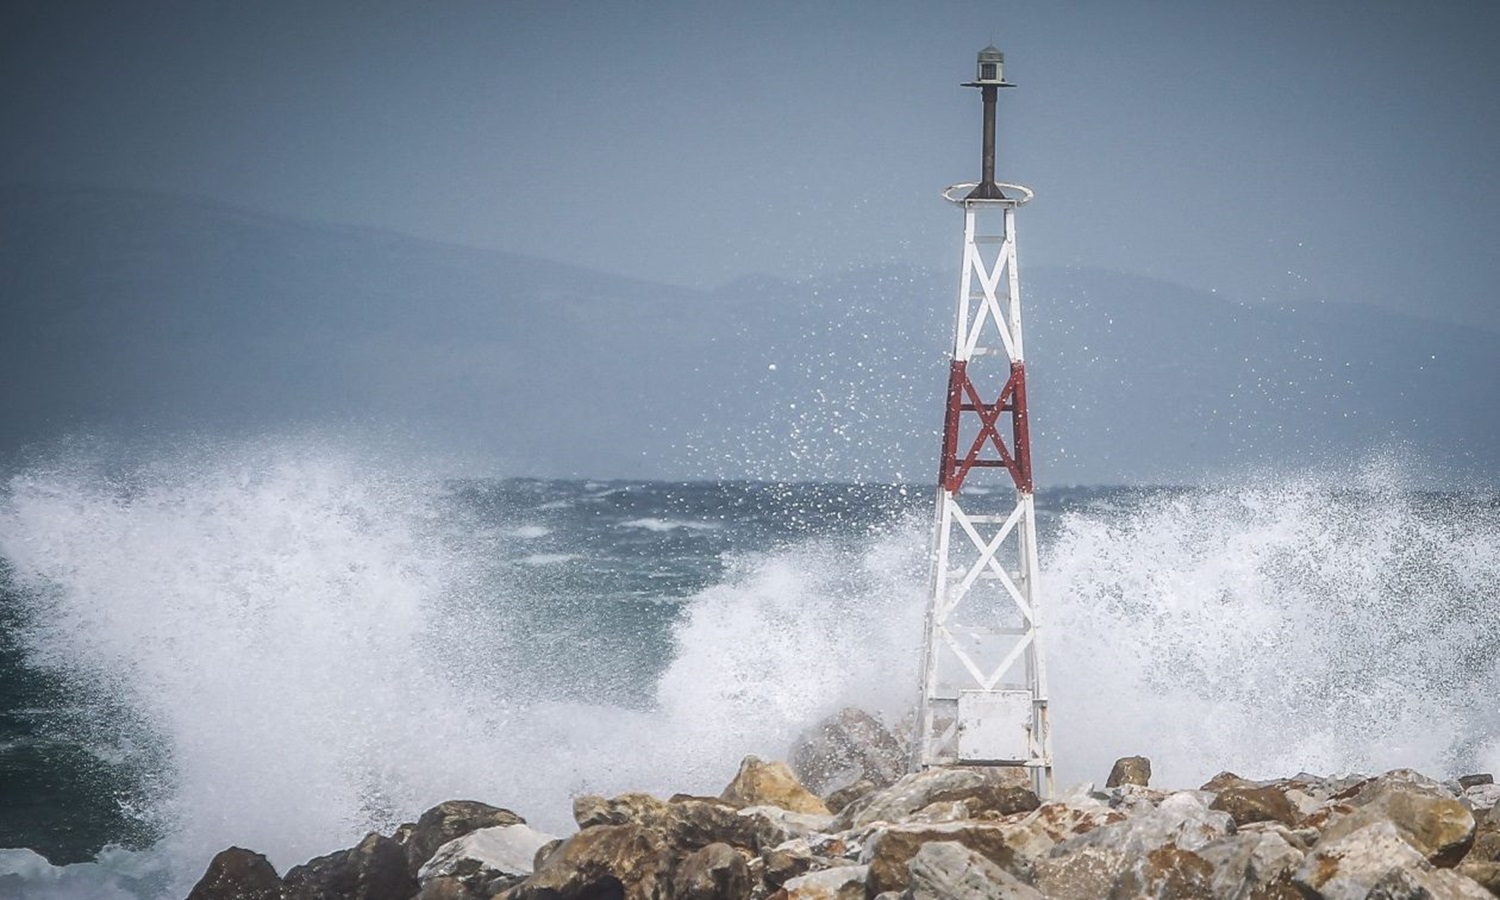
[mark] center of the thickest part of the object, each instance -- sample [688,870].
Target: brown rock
[446,821]
[785,863]
[761,783]
[238,874]
[716,872]
[1255,804]
[590,810]
[1223,780]
[623,861]
[891,849]
[375,869]
[1427,816]
[1130,770]
[687,824]
[692,824]
[1468,781]
[545,851]
[1486,846]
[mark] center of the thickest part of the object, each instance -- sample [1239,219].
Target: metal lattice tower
[984,688]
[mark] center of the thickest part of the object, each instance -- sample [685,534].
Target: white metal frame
[984,687]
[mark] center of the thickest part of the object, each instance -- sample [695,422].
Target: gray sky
[1287,150]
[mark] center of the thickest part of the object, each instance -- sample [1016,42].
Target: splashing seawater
[310,644]
[1276,628]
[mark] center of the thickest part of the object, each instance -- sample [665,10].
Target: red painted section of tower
[963,397]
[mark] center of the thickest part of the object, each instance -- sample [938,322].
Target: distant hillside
[135,313]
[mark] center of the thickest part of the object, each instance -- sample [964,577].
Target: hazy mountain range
[133,315]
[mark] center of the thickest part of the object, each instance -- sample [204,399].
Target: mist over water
[289,643]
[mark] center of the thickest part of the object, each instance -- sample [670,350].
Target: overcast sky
[1290,151]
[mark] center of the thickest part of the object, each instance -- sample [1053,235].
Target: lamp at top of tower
[991,69]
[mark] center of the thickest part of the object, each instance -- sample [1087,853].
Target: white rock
[1347,868]
[910,793]
[945,870]
[1181,819]
[504,850]
[793,823]
[1247,863]
[838,883]
[1482,796]
[1052,823]
[1304,803]
[1081,796]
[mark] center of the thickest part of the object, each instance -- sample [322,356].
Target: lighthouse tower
[984,688]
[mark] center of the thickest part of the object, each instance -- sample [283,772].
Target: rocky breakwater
[846,824]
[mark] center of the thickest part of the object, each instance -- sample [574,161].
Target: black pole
[987,189]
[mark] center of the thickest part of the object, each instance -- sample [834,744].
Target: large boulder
[1166,873]
[761,783]
[946,870]
[1035,836]
[1247,803]
[846,748]
[1425,814]
[1130,770]
[1082,873]
[1349,866]
[716,872]
[691,823]
[449,820]
[1182,821]
[1151,853]
[238,874]
[488,859]
[375,869]
[1253,864]
[622,861]
[890,850]
[992,791]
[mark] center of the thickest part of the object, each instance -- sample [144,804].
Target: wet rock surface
[238,874]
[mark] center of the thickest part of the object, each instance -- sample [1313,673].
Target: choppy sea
[283,644]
